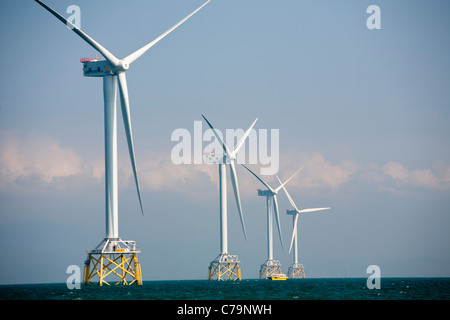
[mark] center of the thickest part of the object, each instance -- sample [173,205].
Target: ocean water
[291,289]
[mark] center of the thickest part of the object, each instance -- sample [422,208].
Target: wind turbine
[271,266]
[226,266]
[113,69]
[296,270]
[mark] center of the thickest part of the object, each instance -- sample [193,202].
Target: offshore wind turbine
[112,70]
[226,266]
[296,270]
[271,266]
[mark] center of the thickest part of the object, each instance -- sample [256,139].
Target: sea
[259,298]
[256,298]
[250,289]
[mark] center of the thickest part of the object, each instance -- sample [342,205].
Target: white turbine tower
[271,266]
[226,266]
[113,69]
[296,270]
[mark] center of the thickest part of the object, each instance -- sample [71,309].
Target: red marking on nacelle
[83,60]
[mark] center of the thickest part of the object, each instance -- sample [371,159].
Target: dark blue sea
[291,289]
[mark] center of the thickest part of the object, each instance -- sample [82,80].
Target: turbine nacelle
[101,68]
[265,193]
[97,68]
[291,212]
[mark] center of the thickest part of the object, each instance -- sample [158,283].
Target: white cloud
[318,172]
[395,170]
[436,177]
[200,180]
[30,159]
[27,157]
[163,174]
[97,169]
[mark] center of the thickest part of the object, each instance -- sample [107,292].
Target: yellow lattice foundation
[113,264]
[269,268]
[225,268]
[296,271]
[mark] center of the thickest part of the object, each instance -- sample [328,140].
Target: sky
[366,110]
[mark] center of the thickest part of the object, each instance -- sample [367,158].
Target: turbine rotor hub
[123,65]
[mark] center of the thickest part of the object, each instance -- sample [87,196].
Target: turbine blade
[242,140]
[135,55]
[275,206]
[224,146]
[288,195]
[108,55]
[276,190]
[127,123]
[312,210]
[294,232]
[236,195]
[263,182]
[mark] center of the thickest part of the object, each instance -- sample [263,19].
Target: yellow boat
[278,276]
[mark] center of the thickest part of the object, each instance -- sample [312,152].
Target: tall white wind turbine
[113,69]
[225,266]
[271,266]
[296,270]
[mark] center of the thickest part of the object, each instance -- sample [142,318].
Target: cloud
[164,174]
[202,180]
[30,160]
[192,181]
[395,170]
[318,172]
[34,158]
[436,177]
